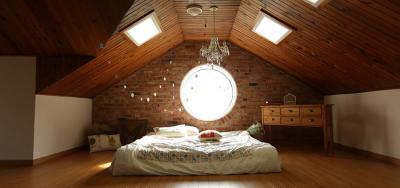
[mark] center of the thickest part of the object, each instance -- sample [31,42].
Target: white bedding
[236,153]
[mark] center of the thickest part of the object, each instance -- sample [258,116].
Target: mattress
[236,153]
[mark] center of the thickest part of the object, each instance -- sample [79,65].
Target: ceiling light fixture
[214,53]
[145,29]
[194,9]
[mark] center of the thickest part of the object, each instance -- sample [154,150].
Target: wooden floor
[301,168]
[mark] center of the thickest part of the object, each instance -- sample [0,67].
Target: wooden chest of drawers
[317,115]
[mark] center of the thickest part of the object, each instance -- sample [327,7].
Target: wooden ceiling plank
[121,56]
[359,66]
[193,26]
[369,69]
[281,48]
[348,29]
[10,24]
[373,59]
[45,27]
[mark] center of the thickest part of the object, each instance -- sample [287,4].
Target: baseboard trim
[42,159]
[377,156]
[57,155]
[16,162]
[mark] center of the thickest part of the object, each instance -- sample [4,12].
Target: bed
[236,153]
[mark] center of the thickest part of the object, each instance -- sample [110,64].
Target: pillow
[210,136]
[177,131]
[174,131]
[191,131]
[104,142]
[256,129]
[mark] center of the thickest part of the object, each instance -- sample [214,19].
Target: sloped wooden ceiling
[121,57]
[343,46]
[56,27]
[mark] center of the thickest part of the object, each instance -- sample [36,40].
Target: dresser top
[297,105]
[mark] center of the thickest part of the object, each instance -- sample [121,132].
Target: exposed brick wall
[257,81]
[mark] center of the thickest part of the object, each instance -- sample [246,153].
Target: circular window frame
[222,71]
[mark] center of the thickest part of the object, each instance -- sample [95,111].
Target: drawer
[310,111]
[293,111]
[290,120]
[272,120]
[311,121]
[272,111]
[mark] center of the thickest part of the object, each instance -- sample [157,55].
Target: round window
[208,93]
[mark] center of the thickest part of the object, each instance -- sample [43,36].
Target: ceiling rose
[194,9]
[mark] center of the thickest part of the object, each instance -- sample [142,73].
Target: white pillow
[176,131]
[104,142]
[191,131]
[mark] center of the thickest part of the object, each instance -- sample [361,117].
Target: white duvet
[236,153]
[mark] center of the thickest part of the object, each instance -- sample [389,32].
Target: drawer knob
[290,110]
[311,120]
[272,111]
[311,110]
[291,119]
[273,119]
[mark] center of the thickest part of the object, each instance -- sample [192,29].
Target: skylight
[270,28]
[315,3]
[143,30]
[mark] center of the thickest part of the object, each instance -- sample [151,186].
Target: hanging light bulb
[125,86]
[155,94]
[132,95]
[170,61]
[164,78]
[148,99]
[173,84]
[180,109]
[141,98]
[160,86]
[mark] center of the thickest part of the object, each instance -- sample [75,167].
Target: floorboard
[301,168]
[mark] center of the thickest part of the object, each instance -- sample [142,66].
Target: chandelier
[214,53]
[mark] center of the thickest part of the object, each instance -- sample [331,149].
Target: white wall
[17,105]
[369,121]
[60,123]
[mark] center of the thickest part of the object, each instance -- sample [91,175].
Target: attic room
[200,93]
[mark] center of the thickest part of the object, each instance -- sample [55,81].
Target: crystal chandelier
[214,53]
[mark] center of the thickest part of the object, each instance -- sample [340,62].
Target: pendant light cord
[214,21]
